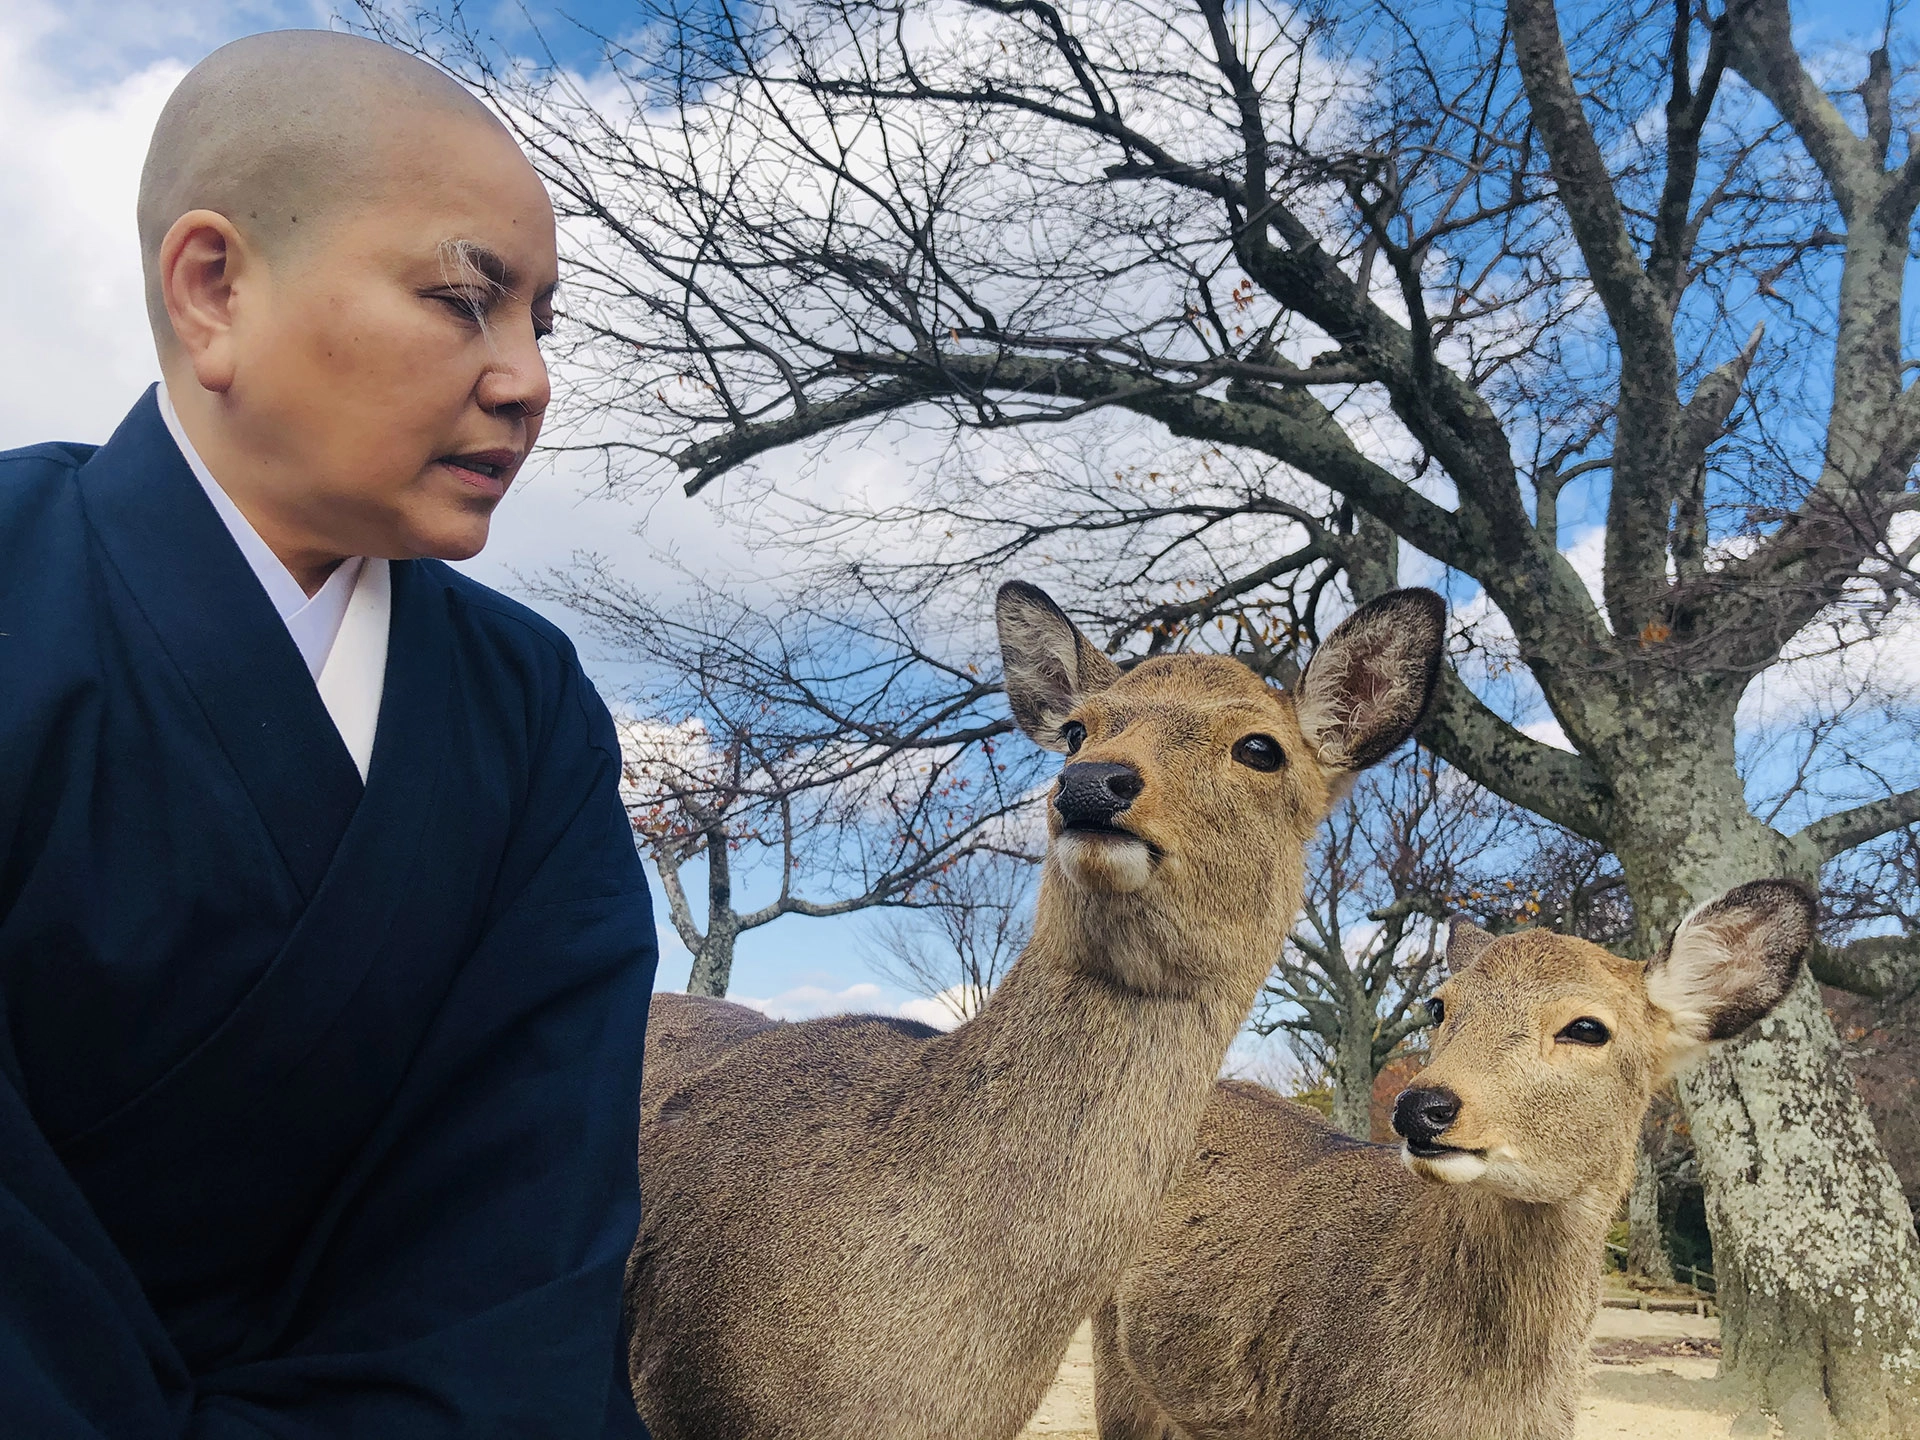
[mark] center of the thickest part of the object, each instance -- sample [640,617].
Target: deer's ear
[1732,960]
[1465,942]
[1050,666]
[1368,687]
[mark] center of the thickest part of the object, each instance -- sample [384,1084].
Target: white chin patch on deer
[1108,864]
[1451,1167]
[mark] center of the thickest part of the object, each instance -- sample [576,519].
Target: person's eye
[469,306]
[1585,1031]
[1075,735]
[1259,752]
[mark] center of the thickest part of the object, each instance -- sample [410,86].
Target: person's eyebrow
[465,261]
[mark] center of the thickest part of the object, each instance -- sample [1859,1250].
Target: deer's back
[797,1156]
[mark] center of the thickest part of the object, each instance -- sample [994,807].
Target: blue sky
[80,82]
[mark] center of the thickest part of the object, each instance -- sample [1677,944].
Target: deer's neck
[1085,1091]
[1504,1291]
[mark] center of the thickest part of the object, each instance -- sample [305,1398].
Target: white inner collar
[314,621]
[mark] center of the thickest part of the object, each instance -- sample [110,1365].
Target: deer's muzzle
[1093,792]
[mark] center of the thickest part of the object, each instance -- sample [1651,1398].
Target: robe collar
[313,620]
[224,636]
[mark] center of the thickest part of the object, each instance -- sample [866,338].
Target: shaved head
[283,133]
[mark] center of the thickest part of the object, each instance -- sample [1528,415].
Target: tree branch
[1877,966]
[1550,782]
[678,910]
[1649,407]
[1763,52]
[710,459]
[1632,301]
[1839,832]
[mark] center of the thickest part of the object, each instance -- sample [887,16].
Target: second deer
[862,1227]
[1304,1286]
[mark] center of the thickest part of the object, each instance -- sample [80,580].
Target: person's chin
[453,538]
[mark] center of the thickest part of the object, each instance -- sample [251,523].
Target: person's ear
[204,261]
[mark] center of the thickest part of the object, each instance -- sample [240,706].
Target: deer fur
[1301,1285]
[863,1227]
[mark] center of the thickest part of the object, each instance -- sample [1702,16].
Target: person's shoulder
[50,457]
[522,650]
[36,469]
[38,480]
[504,619]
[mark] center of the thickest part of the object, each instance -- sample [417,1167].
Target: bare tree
[973,922]
[1366,282]
[1352,984]
[833,748]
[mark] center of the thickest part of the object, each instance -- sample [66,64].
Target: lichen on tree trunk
[713,963]
[1814,1247]
[1353,1072]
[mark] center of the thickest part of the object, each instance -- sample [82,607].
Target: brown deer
[1300,1285]
[863,1227]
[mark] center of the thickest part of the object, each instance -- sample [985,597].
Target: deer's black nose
[1092,792]
[1423,1115]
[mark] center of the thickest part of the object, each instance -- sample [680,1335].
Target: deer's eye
[1585,1031]
[1259,752]
[1075,734]
[1437,1010]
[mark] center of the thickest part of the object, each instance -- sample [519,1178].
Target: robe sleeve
[467,1282]
[82,1356]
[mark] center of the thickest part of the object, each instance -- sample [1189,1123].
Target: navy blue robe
[317,1101]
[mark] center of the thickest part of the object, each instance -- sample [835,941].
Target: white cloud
[76,349]
[805,1002]
[1548,732]
[659,759]
[1588,557]
[863,997]
[947,1009]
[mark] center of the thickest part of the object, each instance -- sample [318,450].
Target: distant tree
[1351,986]
[967,928]
[830,748]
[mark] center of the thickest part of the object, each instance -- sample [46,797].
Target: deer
[863,1226]
[1302,1285]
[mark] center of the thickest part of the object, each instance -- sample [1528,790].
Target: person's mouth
[484,470]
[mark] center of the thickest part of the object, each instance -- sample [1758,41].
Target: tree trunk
[1353,1073]
[1814,1247]
[1647,1257]
[713,962]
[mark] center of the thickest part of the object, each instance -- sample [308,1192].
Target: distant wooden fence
[1711,1287]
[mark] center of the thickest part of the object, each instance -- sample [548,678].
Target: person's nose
[516,383]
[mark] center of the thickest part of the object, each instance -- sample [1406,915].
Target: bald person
[324,948]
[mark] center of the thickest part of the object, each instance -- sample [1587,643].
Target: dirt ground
[1653,1379]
